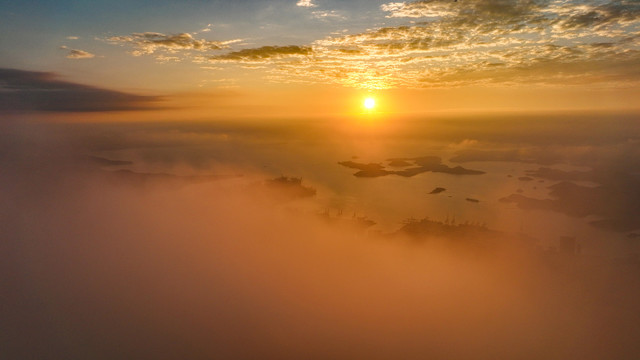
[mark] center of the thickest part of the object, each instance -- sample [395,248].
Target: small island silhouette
[617,210]
[290,186]
[414,166]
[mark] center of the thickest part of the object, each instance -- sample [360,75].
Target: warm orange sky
[318,58]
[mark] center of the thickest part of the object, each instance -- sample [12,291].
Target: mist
[203,260]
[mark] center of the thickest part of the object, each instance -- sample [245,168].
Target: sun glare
[369,103]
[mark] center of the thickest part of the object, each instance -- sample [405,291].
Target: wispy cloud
[151,42]
[596,15]
[417,9]
[77,54]
[448,43]
[328,14]
[487,41]
[306,3]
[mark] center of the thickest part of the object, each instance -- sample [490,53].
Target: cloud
[585,15]
[417,9]
[72,38]
[77,54]
[486,41]
[511,11]
[151,42]
[328,14]
[22,90]
[306,3]
[264,54]
[448,43]
[490,16]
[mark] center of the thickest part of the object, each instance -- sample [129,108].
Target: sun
[369,103]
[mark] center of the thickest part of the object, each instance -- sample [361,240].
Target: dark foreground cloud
[22,90]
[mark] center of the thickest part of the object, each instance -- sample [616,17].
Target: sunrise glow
[369,103]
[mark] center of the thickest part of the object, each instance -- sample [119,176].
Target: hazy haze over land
[188,252]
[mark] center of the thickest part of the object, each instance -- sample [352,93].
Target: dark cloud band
[40,91]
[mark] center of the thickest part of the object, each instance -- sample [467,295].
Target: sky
[318,57]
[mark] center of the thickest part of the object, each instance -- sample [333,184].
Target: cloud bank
[452,43]
[22,90]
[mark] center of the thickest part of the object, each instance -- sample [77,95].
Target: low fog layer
[97,266]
